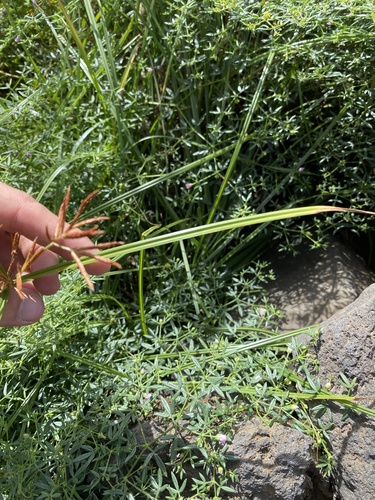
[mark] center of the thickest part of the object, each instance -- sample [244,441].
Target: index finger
[20,213]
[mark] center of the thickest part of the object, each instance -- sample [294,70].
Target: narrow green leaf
[226,225]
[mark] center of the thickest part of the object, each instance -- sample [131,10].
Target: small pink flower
[301,169]
[148,396]
[149,70]
[188,185]
[222,438]
[28,154]
[262,311]
[17,39]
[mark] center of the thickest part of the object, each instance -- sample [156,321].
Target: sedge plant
[213,129]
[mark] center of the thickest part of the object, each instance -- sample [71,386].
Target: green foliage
[182,113]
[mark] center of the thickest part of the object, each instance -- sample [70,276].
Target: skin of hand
[20,213]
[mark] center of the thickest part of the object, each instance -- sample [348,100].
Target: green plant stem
[189,277]
[140,292]
[141,280]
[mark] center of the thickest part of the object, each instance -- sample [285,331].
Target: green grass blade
[86,66]
[194,232]
[242,137]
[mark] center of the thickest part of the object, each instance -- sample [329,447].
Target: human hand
[20,213]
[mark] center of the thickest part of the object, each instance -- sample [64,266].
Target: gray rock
[272,462]
[313,285]
[347,345]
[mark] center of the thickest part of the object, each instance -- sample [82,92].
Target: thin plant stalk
[242,138]
[141,296]
[189,277]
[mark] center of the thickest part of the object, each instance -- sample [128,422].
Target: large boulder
[274,463]
[347,345]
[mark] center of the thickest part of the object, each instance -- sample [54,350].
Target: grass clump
[184,115]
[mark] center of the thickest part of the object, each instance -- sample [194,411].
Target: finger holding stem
[35,250]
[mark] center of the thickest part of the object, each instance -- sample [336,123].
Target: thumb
[21,312]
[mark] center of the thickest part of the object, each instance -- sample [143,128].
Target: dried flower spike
[64,231]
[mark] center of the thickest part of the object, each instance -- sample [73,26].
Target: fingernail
[30,310]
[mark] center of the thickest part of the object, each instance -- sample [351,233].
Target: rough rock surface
[347,344]
[313,285]
[273,463]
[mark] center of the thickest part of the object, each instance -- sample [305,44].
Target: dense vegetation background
[183,113]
